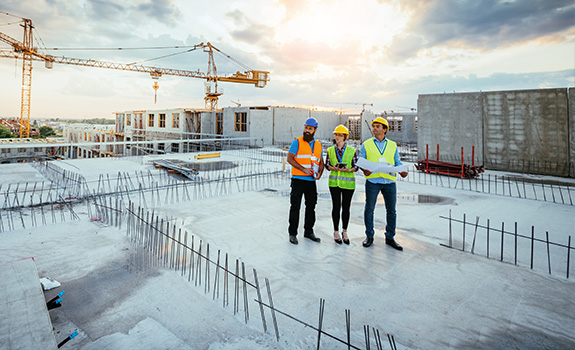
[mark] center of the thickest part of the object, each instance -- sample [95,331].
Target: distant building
[97,140]
[258,125]
[15,150]
[13,124]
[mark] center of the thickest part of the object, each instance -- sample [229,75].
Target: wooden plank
[25,320]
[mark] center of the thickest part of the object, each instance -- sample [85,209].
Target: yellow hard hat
[380,120]
[341,129]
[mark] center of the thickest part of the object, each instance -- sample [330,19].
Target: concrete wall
[169,114]
[571,97]
[366,119]
[134,117]
[207,122]
[451,121]
[261,125]
[279,125]
[289,123]
[526,126]
[408,134]
[230,121]
[523,130]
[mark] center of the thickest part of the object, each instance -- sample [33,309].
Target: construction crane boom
[24,50]
[257,78]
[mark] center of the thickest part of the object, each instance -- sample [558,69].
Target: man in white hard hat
[380,149]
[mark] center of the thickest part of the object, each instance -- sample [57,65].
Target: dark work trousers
[307,189]
[340,200]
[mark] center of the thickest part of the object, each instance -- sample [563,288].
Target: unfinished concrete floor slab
[428,296]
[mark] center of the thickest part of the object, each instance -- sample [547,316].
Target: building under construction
[14,126]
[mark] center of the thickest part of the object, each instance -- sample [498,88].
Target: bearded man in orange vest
[305,157]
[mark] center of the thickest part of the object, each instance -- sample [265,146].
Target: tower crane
[24,50]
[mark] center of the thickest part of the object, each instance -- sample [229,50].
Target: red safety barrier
[464,171]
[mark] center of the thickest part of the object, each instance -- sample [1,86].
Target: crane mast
[24,50]
[26,80]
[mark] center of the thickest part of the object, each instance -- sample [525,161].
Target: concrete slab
[25,321]
[428,296]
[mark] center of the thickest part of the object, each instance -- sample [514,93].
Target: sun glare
[338,23]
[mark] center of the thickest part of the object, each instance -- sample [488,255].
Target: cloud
[294,7]
[161,10]
[106,10]
[300,57]
[253,35]
[483,25]
[434,84]
[237,17]
[404,46]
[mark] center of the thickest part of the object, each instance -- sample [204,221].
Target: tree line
[45,131]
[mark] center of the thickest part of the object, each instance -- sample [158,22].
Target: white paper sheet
[380,167]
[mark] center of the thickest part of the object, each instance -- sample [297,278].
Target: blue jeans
[389,192]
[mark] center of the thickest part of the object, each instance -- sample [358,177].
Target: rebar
[515,253]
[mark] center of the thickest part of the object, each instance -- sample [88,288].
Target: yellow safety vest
[305,157]
[373,154]
[341,179]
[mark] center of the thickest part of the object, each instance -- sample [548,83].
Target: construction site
[168,229]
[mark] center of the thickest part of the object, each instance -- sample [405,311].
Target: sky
[325,54]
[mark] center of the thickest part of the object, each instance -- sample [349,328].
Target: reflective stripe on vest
[305,157]
[341,179]
[373,154]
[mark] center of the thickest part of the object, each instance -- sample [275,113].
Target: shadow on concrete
[99,292]
[522,338]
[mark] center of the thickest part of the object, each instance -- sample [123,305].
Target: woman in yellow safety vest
[340,160]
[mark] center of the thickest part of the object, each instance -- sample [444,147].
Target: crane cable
[9,23]
[9,14]
[38,39]
[157,58]
[232,59]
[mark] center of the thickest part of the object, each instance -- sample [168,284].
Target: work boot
[312,236]
[391,242]
[367,242]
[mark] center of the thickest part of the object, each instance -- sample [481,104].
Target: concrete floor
[428,296]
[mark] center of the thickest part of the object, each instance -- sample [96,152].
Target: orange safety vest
[305,157]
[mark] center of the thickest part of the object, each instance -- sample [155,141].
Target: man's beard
[307,137]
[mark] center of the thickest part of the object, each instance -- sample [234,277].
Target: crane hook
[156,87]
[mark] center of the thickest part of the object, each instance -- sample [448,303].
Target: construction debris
[48,283]
[179,168]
